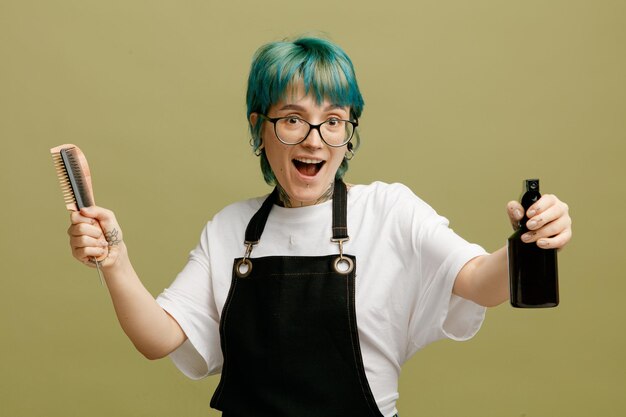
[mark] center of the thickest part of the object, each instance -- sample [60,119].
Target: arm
[95,233]
[485,279]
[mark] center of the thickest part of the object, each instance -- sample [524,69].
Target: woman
[271,297]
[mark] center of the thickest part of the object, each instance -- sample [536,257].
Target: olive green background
[464,99]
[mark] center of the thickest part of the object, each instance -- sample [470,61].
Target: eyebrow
[300,108]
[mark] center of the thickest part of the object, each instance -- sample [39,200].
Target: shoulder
[243,208]
[227,227]
[381,196]
[234,216]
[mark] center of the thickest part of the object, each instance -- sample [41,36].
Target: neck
[285,201]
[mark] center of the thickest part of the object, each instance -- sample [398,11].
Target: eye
[293,120]
[334,123]
[292,123]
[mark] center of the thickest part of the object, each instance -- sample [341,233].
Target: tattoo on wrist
[112,237]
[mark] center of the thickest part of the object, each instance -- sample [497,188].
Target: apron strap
[257,223]
[340,213]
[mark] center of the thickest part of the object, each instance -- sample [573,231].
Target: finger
[86,254]
[98,213]
[556,242]
[550,230]
[86,248]
[84,241]
[85,229]
[515,212]
[76,217]
[544,203]
[548,214]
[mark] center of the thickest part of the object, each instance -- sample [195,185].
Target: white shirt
[407,260]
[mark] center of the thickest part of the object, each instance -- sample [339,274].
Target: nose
[313,139]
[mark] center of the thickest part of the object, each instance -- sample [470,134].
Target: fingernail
[526,237]
[531,224]
[531,213]
[518,213]
[542,243]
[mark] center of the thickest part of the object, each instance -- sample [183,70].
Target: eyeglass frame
[273,120]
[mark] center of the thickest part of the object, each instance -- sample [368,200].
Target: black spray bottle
[533,274]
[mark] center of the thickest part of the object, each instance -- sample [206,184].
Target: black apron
[289,334]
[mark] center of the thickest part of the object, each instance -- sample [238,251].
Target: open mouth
[308,167]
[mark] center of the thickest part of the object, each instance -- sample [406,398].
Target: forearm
[485,279]
[153,332]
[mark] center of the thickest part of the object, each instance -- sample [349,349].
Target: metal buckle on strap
[249,246]
[342,264]
[244,266]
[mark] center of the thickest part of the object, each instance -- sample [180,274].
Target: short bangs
[322,67]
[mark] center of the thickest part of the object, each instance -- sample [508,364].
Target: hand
[95,234]
[549,223]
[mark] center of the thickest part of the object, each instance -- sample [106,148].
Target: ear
[253,119]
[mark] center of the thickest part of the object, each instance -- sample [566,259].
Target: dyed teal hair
[325,70]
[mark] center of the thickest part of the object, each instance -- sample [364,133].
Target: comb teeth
[74,176]
[64,181]
[78,182]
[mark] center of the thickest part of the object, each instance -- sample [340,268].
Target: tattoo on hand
[112,237]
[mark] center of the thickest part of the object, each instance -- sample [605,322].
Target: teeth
[309,161]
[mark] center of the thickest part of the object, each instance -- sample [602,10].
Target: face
[305,171]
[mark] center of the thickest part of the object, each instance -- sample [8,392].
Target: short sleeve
[439,313]
[189,300]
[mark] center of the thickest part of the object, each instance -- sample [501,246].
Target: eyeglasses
[292,130]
